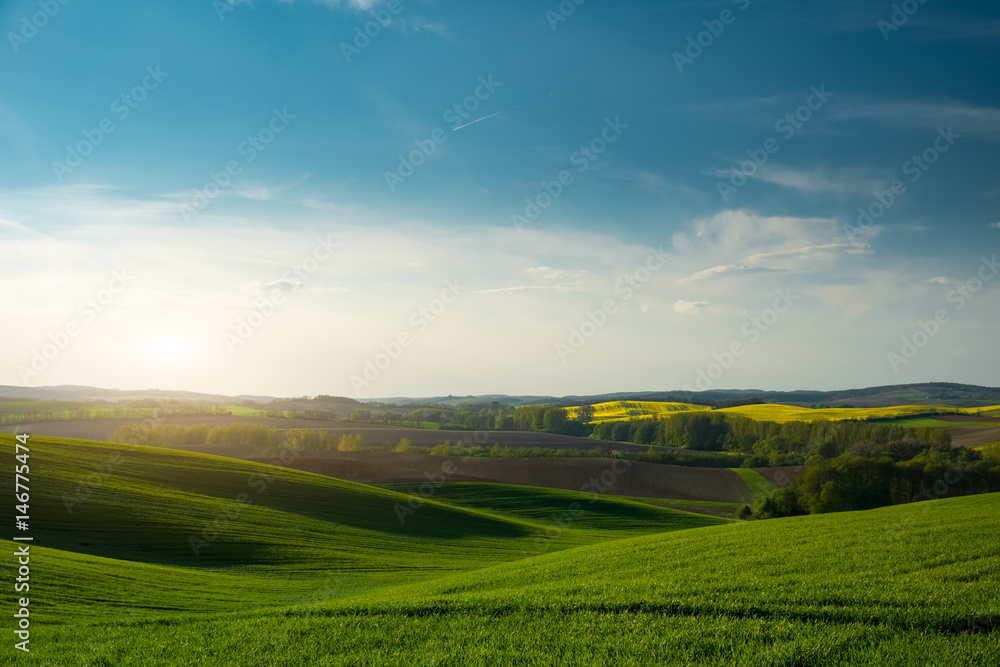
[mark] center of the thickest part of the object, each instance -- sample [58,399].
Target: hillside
[908,585]
[143,509]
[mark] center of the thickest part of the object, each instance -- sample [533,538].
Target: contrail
[496,113]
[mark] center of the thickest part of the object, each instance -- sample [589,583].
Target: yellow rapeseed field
[622,410]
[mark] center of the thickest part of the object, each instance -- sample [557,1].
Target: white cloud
[683,307]
[841,182]
[282,285]
[548,273]
[260,192]
[526,288]
[726,271]
[751,244]
[996,224]
[940,280]
[968,120]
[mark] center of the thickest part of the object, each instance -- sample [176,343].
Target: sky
[425,197]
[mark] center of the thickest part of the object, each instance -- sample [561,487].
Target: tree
[351,443]
[403,445]
[443,449]
[553,420]
[585,414]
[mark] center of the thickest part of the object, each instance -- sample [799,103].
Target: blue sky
[538,198]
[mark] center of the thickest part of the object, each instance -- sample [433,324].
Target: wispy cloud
[261,192]
[683,307]
[548,273]
[727,271]
[841,182]
[529,288]
[282,285]
[982,122]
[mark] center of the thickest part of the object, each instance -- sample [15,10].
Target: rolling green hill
[156,516]
[319,571]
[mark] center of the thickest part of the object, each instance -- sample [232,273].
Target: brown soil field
[373,434]
[782,476]
[613,476]
[973,436]
[966,418]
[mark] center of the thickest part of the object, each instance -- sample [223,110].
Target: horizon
[387,198]
[485,395]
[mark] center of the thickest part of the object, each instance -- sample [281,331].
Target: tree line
[765,443]
[261,435]
[876,478]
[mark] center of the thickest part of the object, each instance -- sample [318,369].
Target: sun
[168,348]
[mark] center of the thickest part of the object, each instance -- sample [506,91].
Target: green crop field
[759,486]
[313,570]
[23,407]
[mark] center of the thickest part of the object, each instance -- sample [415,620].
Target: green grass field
[318,571]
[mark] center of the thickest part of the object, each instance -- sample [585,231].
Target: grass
[555,507]
[319,571]
[136,510]
[759,486]
[910,585]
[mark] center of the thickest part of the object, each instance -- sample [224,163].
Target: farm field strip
[759,486]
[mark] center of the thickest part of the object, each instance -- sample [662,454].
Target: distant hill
[960,395]
[928,393]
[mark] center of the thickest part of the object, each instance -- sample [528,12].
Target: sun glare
[168,349]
